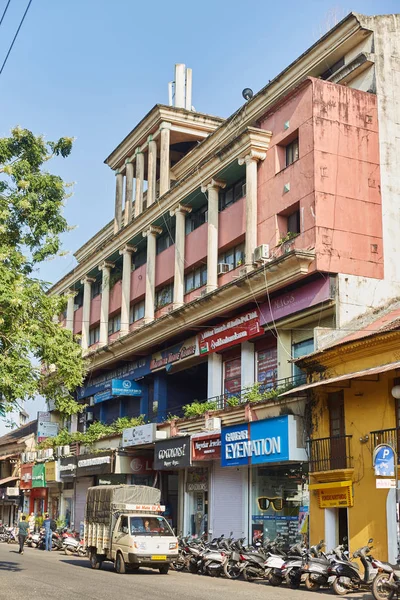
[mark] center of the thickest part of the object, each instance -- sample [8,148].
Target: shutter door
[229,501]
[81,488]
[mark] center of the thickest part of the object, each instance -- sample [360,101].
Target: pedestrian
[23,528]
[32,522]
[48,532]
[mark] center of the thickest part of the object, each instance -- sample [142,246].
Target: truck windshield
[150,526]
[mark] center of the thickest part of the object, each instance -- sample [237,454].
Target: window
[139,258]
[195,219]
[267,367]
[164,296]
[116,275]
[293,222]
[234,257]
[96,288]
[150,526]
[123,525]
[114,324]
[136,312]
[196,279]
[232,376]
[166,240]
[292,152]
[94,335]
[301,349]
[231,194]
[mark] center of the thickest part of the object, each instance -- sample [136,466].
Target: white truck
[123,524]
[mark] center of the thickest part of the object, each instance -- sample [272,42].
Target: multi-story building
[237,245]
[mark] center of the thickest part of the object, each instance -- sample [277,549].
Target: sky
[92,69]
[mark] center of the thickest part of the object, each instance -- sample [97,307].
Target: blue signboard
[255,443]
[125,387]
[102,396]
[132,370]
[384,461]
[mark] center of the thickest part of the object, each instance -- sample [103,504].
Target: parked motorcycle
[386,584]
[292,568]
[72,546]
[346,576]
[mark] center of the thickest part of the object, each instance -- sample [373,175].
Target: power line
[4,12]
[15,36]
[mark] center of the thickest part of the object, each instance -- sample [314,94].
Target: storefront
[52,475]
[88,467]
[39,492]
[9,505]
[68,476]
[26,486]
[133,469]
[269,455]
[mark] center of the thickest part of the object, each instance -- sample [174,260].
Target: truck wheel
[95,562]
[164,569]
[120,564]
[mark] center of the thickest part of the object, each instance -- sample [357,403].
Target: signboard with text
[94,464]
[232,332]
[336,497]
[38,476]
[46,429]
[383,460]
[206,447]
[173,453]
[142,434]
[175,354]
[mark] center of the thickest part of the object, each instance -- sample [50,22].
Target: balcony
[387,436]
[331,458]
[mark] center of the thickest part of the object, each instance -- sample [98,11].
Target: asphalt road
[52,575]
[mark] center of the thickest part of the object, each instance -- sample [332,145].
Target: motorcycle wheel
[231,570]
[312,586]
[339,588]
[68,552]
[274,580]
[293,580]
[192,568]
[379,591]
[178,565]
[249,575]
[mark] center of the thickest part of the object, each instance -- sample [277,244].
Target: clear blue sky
[93,68]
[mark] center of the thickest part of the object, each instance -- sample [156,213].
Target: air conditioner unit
[65,450]
[89,416]
[40,454]
[223,268]
[213,424]
[23,457]
[261,253]
[48,453]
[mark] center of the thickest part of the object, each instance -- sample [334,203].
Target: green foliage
[39,522]
[60,522]
[286,238]
[197,409]
[256,393]
[31,222]
[233,401]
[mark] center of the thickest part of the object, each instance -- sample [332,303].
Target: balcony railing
[330,453]
[387,436]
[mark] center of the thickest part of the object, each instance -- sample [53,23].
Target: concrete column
[149,301]
[139,184]
[212,189]
[251,160]
[69,322]
[87,298]
[126,253]
[128,193]
[284,352]
[151,172]
[164,158]
[247,364]
[180,213]
[214,375]
[105,269]
[119,188]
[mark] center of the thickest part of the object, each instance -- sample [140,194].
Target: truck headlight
[173,545]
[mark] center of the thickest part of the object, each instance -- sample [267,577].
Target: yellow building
[353,407]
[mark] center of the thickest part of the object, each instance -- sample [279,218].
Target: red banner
[206,447]
[232,332]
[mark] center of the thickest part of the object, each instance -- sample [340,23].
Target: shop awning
[330,486]
[7,480]
[8,456]
[340,378]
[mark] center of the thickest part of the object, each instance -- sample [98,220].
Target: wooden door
[337,431]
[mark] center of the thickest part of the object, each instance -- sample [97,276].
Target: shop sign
[52,471]
[230,333]
[173,453]
[94,464]
[111,480]
[118,387]
[175,354]
[46,429]
[298,299]
[38,476]
[259,442]
[26,477]
[206,447]
[130,370]
[67,467]
[385,484]
[336,497]
[134,465]
[142,434]
[198,486]
[383,460]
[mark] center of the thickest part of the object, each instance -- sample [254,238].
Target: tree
[31,222]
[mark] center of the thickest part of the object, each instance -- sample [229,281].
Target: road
[52,575]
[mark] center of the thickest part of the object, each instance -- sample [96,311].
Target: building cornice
[287,269]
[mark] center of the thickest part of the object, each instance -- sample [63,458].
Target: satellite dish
[247,94]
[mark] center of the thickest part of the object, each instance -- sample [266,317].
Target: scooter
[386,584]
[317,565]
[345,576]
[292,568]
[73,546]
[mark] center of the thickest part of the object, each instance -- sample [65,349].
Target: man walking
[48,532]
[23,528]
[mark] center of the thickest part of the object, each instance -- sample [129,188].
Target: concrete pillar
[212,189]
[87,298]
[105,269]
[139,183]
[214,375]
[126,253]
[180,213]
[164,158]
[284,352]
[247,364]
[69,322]
[251,160]
[151,172]
[149,301]
[180,85]
[119,188]
[128,193]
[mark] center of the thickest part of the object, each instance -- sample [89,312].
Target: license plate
[159,557]
[331,580]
